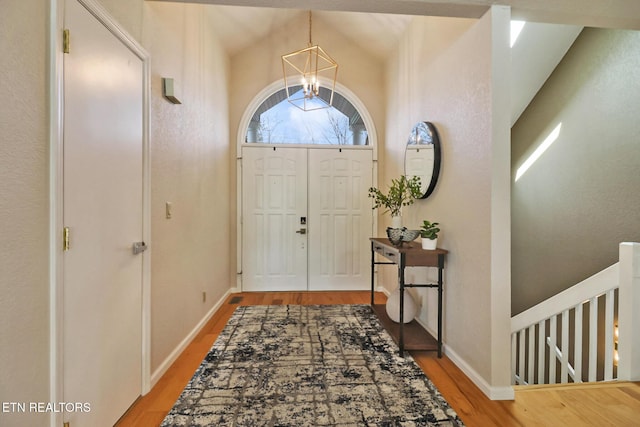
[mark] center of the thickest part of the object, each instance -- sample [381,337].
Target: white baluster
[564,365]
[553,344]
[608,336]
[577,354]
[521,353]
[531,357]
[541,347]
[514,343]
[593,338]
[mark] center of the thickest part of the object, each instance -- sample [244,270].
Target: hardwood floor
[604,404]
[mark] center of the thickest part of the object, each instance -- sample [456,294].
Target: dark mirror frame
[429,128]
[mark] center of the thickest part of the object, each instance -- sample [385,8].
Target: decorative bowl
[394,235]
[397,236]
[410,235]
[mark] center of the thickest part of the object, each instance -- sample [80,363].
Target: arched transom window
[276,121]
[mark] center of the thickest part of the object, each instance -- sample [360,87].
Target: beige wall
[189,145]
[437,71]
[127,13]
[574,206]
[443,73]
[24,210]
[259,66]
[189,168]
[189,154]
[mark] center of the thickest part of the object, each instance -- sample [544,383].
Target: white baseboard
[173,356]
[383,290]
[493,393]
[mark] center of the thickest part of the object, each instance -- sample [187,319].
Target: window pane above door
[276,121]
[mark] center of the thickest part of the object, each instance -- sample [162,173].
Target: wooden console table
[410,336]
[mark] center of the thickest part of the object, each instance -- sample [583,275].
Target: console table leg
[401,283]
[373,259]
[415,257]
[440,268]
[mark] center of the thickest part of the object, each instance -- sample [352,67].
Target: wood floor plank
[600,404]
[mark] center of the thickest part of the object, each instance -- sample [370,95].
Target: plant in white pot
[429,233]
[402,192]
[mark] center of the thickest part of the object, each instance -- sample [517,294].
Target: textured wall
[128,14]
[189,164]
[189,168]
[189,149]
[574,206]
[24,210]
[443,73]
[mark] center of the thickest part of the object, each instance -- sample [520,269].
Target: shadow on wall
[578,200]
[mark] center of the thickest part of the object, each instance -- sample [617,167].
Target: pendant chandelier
[304,71]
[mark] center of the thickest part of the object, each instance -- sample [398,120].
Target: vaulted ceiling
[380,22]
[376,26]
[375,33]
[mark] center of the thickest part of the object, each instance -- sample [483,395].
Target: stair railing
[591,322]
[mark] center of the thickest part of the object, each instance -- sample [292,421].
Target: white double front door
[306,218]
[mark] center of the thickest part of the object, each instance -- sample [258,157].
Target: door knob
[139,247]
[302,231]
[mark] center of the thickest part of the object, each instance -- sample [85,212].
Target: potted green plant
[402,192]
[429,233]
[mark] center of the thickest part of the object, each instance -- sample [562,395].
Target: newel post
[629,313]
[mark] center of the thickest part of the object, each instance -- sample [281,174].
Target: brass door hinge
[65,41]
[65,239]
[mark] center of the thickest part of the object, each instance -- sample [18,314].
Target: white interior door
[103,188]
[336,217]
[340,219]
[274,242]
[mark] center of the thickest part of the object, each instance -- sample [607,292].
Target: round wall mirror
[422,156]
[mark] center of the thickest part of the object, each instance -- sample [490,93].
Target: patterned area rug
[308,366]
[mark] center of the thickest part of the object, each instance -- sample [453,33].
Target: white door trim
[56,110]
[240,137]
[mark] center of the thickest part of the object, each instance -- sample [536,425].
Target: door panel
[274,201]
[340,219]
[102,297]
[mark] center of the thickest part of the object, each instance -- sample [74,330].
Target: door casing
[56,165]
[240,142]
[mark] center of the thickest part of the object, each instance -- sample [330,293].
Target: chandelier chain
[310,43]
